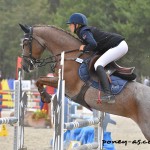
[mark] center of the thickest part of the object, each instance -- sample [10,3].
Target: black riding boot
[108,96]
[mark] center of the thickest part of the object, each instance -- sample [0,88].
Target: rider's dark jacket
[98,40]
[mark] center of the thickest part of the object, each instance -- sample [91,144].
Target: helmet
[77,18]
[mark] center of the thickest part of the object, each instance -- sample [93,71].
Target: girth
[79,98]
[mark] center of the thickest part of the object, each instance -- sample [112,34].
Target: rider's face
[72,27]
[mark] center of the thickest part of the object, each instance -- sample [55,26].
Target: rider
[111,46]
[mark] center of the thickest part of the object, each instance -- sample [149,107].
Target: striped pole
[79,124]
[90,146]
[8,120]
[79,116]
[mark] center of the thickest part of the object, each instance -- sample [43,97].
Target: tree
[26,12]
[129,18]
[53,5]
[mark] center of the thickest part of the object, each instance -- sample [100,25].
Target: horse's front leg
[49,81]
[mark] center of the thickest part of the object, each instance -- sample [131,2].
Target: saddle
[113,68]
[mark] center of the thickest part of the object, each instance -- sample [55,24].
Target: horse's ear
[25,28]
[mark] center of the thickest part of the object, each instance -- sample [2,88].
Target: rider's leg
[104,83]
[109,56]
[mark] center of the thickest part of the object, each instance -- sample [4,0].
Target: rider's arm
[88,38]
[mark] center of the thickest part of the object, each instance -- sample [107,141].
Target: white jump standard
[60,126]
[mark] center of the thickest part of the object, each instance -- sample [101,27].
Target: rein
[53,59]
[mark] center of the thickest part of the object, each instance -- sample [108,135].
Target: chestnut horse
[133,102]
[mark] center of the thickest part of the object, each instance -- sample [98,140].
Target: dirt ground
[127,130]
[39,138]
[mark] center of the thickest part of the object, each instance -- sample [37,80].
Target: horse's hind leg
[145,127]
[144,124]
[49,81]
[142,118]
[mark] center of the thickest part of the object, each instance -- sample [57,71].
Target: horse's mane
[59,29]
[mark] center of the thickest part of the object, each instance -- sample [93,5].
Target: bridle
[43,61]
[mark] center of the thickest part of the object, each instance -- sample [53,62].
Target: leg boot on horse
[108,96]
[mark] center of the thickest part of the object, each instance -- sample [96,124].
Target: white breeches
[112,54]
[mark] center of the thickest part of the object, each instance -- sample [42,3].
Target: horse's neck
[58,40]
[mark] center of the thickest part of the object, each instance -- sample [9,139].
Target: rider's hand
[81,48]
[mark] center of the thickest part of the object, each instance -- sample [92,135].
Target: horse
[132,102]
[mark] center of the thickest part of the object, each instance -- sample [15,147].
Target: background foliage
[129,18]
